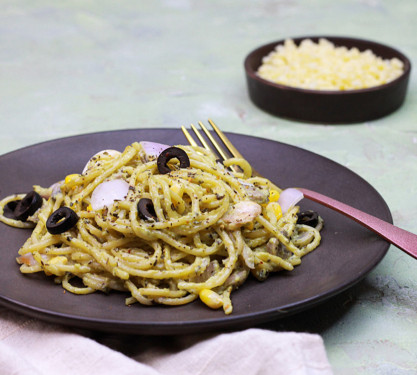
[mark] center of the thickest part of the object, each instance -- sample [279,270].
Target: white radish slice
[289,198]
[27,259]
[152,149]
[105,194]
[56,188]
[98,155]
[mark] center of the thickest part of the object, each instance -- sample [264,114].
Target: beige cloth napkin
[29,346]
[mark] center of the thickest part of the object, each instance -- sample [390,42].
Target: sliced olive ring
[27,206]
[12,205]
[61,220]
[172,153]
[146,210]
[310,218]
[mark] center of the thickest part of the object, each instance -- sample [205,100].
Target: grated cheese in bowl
[323,66]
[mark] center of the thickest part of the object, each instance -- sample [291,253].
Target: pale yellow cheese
[323,66]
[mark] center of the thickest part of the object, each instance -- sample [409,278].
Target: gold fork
[401,238]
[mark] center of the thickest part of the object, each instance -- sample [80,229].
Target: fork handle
[402,239]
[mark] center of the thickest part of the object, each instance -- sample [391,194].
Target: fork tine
[229,145]
[192,142]
[201,139]
[226,141]
[190,139]
[213,141]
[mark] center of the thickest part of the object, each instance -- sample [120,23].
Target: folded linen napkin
[30,346]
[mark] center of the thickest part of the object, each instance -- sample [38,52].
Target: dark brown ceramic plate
[327,106]
[347,253]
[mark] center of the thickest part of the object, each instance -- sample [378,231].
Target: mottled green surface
[83,66]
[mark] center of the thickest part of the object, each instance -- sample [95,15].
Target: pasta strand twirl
[209,229]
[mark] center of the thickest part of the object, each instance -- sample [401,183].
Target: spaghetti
[206,230]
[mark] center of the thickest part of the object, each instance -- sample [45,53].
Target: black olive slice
[61,220]
[309,218]
[146,209]
[12,205]
[172,153]
[27,206]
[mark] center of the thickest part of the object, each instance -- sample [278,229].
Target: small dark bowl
[329,107]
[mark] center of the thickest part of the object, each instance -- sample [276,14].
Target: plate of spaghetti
[133,231]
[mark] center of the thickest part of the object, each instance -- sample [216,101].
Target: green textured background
[83,66]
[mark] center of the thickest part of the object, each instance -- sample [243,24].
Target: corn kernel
[275,209]
[70,177]
[211,299]
[250,226]
[176,188]
[58,260]
[89,208]
[273,195]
